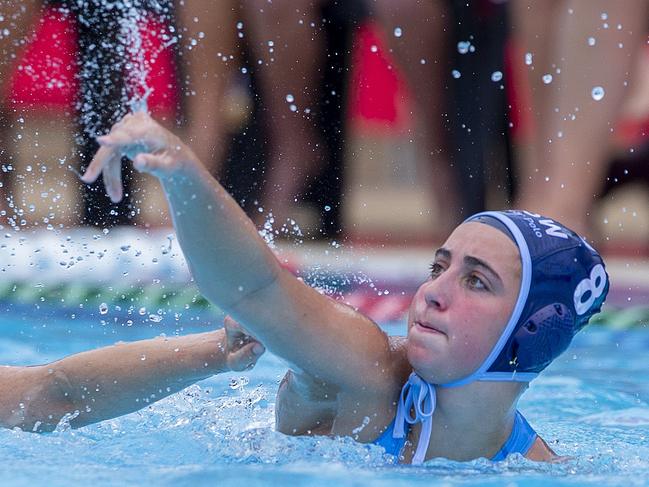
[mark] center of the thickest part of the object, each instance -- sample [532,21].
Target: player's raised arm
[235,269]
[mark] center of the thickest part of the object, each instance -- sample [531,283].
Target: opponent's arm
[236,270]
[116,380]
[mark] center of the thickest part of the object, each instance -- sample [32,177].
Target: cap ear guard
[544,336]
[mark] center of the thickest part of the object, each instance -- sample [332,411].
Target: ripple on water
[626,418]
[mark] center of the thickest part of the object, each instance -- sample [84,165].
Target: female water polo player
[507,292]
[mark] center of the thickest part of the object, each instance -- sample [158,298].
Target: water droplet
[597,93]
[591,41]
[456,74]
[327,208]
[155,318]
[398,32]
[290,98]
[604,16]
[547,78]
[528,58]
[496,76]
[293,108]
[103,308]
[373,48]
[463,47]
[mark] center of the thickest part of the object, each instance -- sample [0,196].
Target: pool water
[591,404]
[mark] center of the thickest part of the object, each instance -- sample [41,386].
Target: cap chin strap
[420,396]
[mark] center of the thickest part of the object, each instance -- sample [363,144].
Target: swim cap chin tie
[420,396]
[563,284]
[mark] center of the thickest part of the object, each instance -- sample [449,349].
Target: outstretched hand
[242,349]
[151,147]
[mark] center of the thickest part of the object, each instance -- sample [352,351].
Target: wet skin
[346,374]
[454,321]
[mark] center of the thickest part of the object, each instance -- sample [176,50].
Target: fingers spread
[113,179]
[103,155]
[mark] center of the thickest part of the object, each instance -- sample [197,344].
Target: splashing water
[464,47]
[138,68]
[126,18]
[496,76]
[528,58]
[593,409]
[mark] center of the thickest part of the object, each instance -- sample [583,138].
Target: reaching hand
[242,350]
[151,147]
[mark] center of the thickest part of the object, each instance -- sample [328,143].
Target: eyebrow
[470,261]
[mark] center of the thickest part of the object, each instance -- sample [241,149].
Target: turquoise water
[592,404]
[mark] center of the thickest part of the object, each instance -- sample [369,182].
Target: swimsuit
[520,440]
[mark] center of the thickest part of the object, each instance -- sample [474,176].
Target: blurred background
[356,134]
[370,121]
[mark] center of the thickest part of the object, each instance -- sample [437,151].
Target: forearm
[227,257]
[123,378]
[236,270]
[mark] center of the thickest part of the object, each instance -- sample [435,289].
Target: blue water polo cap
[563,283]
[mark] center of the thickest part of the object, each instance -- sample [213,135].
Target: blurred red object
[375,83]
[46,74]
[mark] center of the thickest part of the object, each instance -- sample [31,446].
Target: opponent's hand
[151,147]
[242,350]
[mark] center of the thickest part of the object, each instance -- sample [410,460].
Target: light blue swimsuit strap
[520,440]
